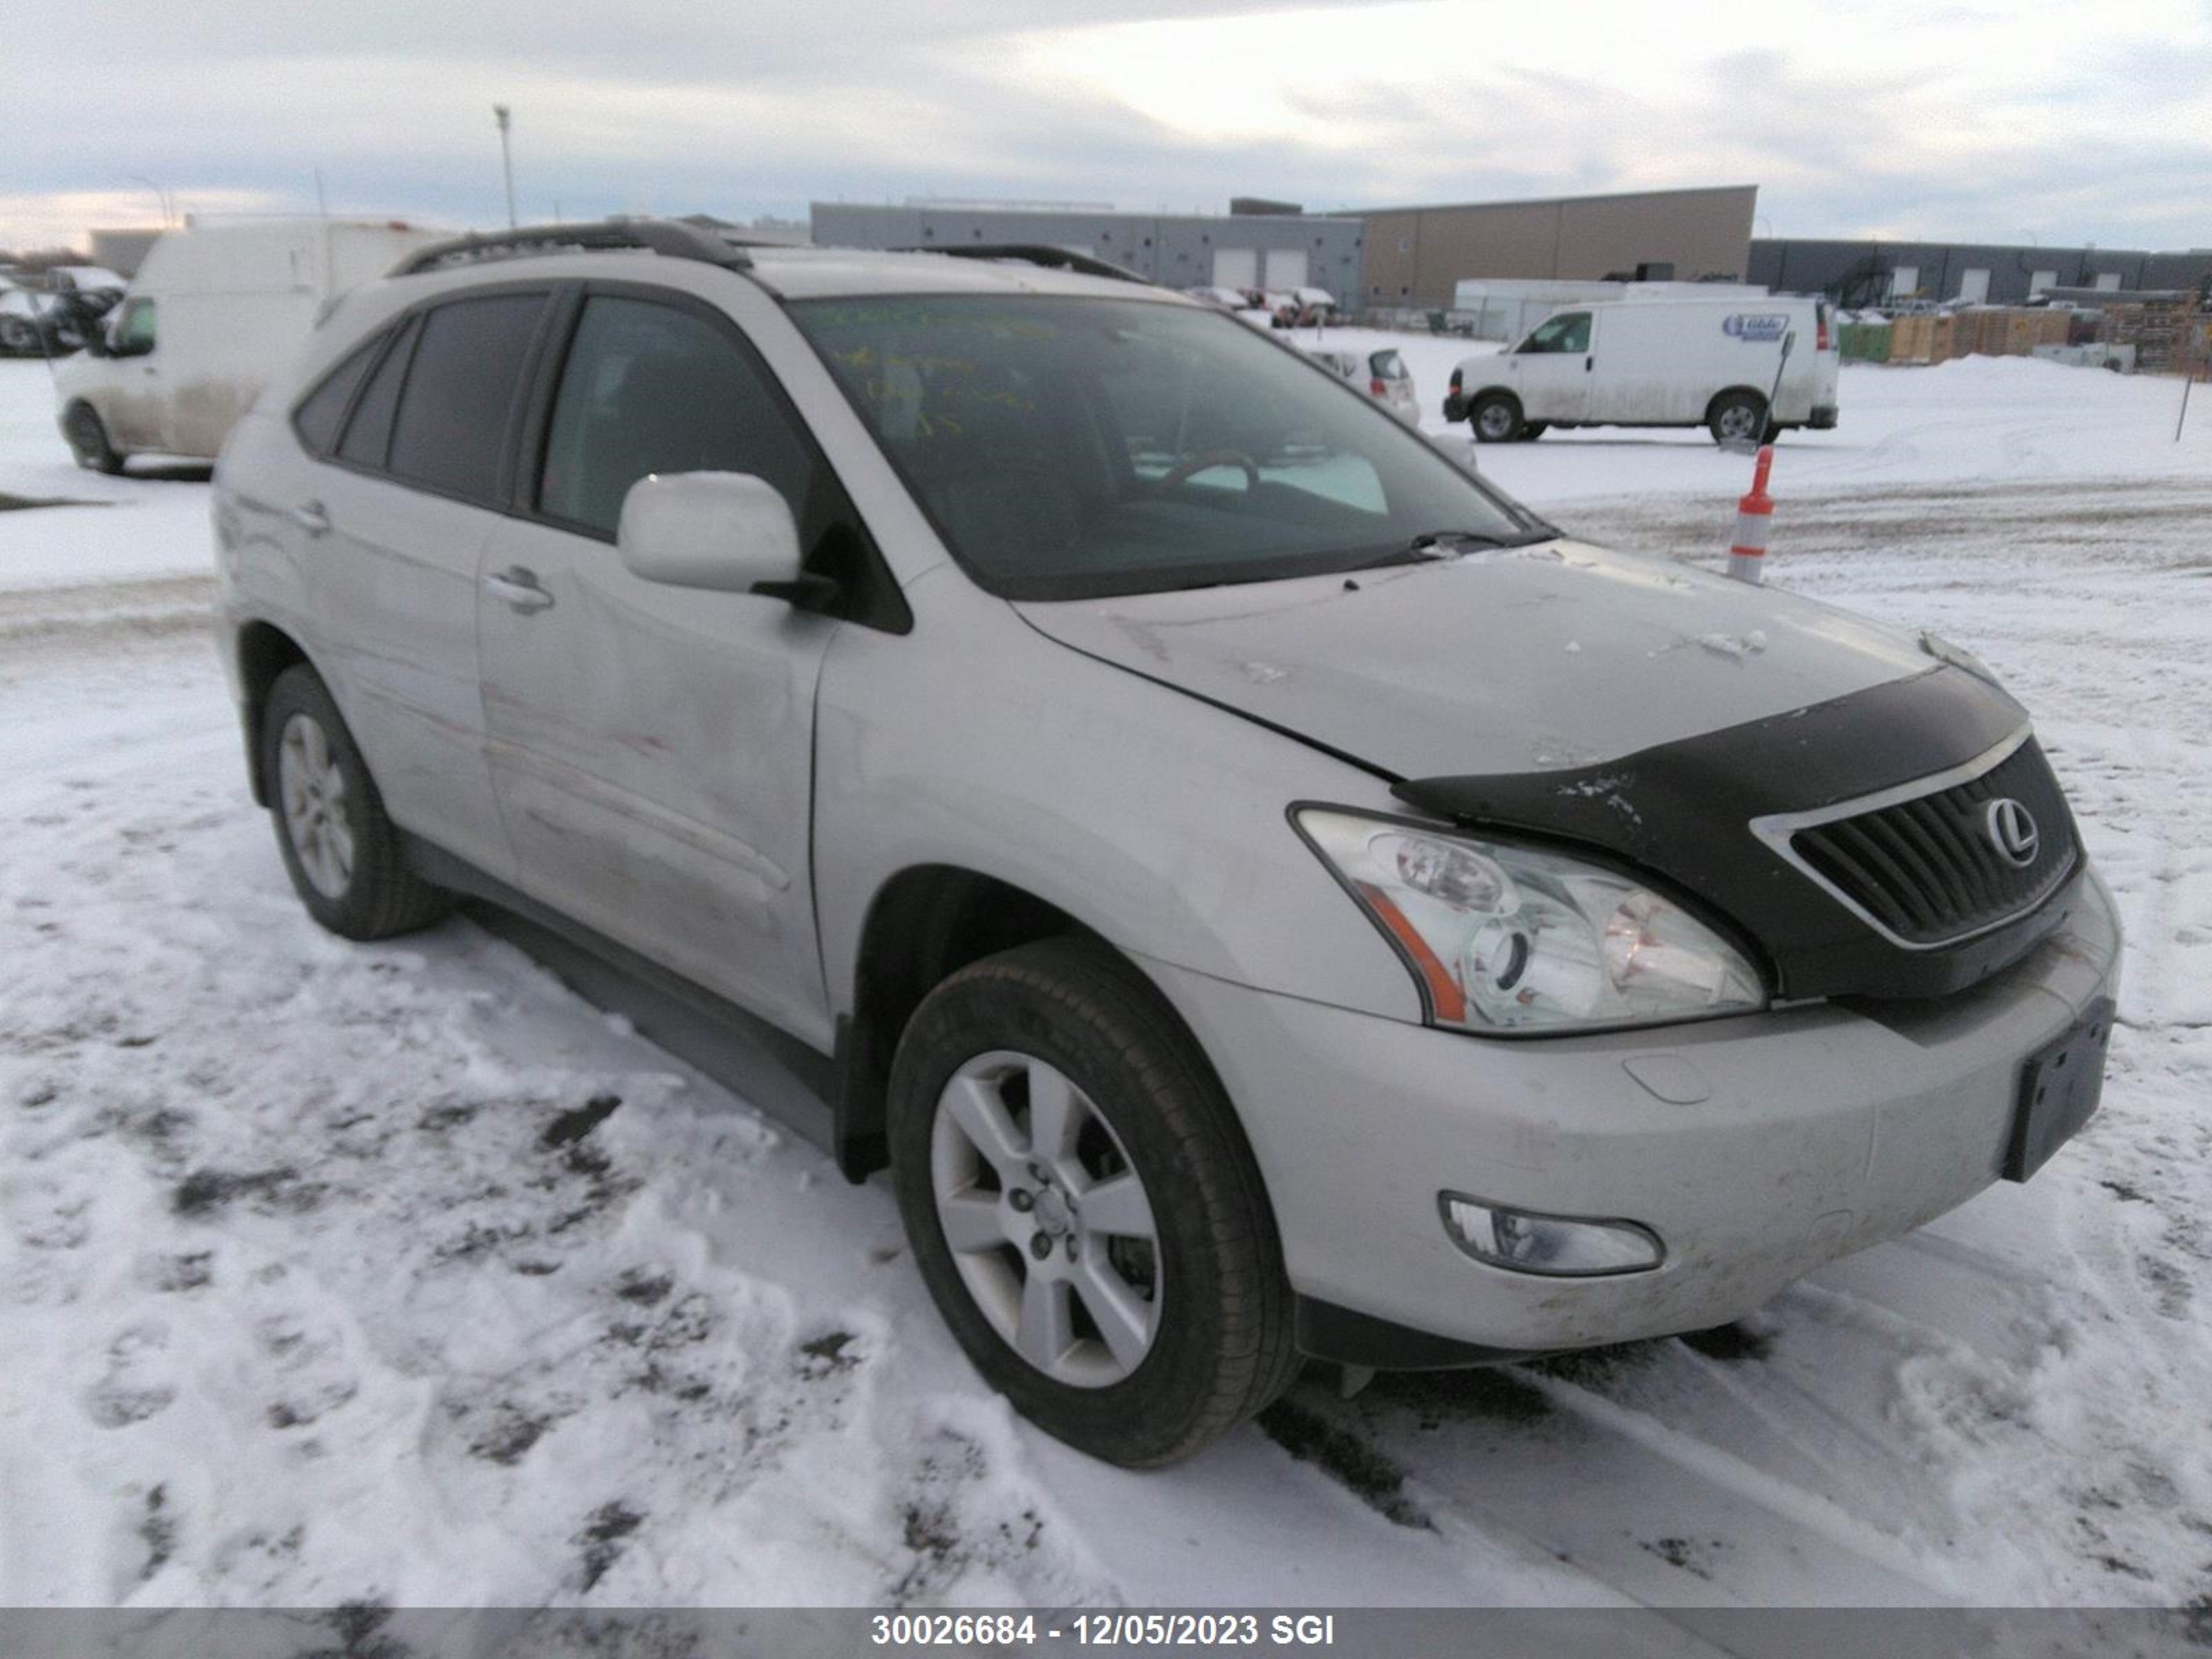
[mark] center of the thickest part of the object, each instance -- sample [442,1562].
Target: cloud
[59,218]
[1972,120]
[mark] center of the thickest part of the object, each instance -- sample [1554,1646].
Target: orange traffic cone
[1747,557]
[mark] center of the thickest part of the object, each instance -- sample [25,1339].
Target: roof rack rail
[666,237]
[1037,253]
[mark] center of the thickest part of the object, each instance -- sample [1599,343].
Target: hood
[1681,723]
[1535,659]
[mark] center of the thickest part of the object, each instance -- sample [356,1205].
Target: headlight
[1513,938]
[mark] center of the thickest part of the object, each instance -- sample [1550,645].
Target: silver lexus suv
[1262,893]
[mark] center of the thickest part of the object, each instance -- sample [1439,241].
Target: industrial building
[1277,247]
[1870,272]
[1416,256]
[1410,257]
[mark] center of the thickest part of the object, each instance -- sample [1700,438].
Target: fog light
[1557,1246]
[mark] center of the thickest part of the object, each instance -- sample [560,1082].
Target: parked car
[1719,364]
[24,329]
[50,321]
[1383,374]
[1262,891]
[1315,306]
[213,311]
[84,279]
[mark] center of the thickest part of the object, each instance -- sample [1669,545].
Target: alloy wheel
[1047,1220]
[311,789]
[1738,421]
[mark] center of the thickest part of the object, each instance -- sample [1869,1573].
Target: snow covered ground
[330,1272]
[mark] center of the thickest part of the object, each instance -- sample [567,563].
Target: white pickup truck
[1744,368]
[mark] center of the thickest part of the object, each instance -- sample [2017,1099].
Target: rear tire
[1496,418]
[1738,417]
[340,851]
[89,442]
[1204,1340]
[17,337]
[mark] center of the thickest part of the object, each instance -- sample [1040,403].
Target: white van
[214,311]
[1744,368]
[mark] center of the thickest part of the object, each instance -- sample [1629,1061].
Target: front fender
[1154,819]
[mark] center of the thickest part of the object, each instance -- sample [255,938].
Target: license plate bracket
[2059,1087]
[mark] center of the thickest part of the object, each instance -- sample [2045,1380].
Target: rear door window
[368,434]
[452,426]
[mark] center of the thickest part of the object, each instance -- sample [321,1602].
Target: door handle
[1588,363]
[311,517]
[519,588]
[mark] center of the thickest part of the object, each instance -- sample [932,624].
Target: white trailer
[214,309]
[1743,368]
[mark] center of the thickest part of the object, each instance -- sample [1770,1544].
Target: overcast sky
[2057,122]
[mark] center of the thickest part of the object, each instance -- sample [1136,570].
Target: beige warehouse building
[1414,256]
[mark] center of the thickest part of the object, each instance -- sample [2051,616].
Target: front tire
[1496,418]
[339,848]
[1083,1206]
[88,441]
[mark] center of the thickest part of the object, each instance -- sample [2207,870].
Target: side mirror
[728,531]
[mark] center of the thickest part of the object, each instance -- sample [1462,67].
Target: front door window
[1566,334]
[134,330]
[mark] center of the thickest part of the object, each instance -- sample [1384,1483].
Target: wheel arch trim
[260,651]
[1714,402]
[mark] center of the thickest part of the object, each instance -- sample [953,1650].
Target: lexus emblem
[2011,830]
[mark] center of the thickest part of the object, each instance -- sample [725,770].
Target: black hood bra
[1859,906]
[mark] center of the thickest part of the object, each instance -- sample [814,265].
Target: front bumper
[1455,407]
[1757,1148]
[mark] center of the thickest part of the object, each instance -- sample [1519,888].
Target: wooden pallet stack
[2158,327]
[1922,338]
[1978,331]
[2007,331]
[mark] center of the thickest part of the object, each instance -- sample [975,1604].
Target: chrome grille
[1926,869]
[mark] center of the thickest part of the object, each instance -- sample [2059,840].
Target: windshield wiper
[1449,544]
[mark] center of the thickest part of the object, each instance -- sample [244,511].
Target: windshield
[1073,447]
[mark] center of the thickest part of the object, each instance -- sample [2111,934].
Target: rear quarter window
[322,411]
[369,431]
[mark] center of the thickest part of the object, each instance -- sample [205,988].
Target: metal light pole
[160,195]
[2192,336]
[500,114]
